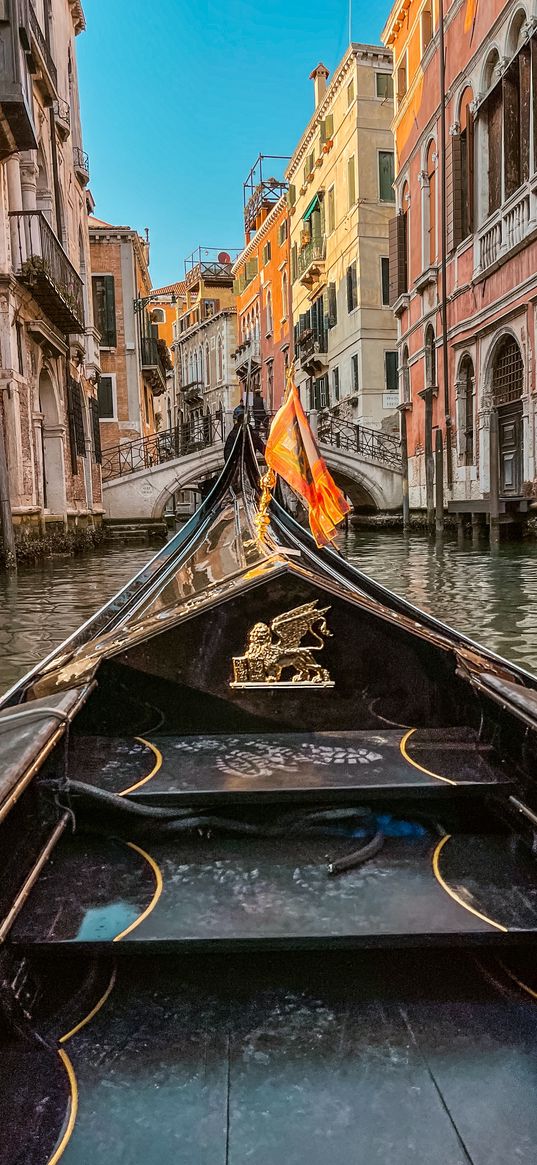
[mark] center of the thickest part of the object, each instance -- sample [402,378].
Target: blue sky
[178,99]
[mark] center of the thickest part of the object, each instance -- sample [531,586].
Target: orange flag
[292,452]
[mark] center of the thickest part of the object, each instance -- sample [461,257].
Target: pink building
[463,250]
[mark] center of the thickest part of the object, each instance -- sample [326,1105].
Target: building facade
[167,303]
[341,200]
[466,342]
[49,359]
[263,289]
[207,387]
[133,360]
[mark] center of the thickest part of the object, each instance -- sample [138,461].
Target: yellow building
[341,200]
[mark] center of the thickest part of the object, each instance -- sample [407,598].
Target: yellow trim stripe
[453,894]
[91,1015]
[414,763]
[158,891]
[73,1108]
[523,986]
[157,765]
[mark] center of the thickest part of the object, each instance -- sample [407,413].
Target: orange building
[463,250]
[262,287]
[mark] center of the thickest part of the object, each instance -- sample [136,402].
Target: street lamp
[143,301]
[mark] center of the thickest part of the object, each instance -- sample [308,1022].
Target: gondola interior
[269,887]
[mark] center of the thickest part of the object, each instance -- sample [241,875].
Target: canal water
[490,595]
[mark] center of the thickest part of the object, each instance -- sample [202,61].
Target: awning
[312,206]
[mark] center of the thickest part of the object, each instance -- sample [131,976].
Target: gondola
[269,889]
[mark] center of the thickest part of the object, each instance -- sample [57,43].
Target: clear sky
[178,99]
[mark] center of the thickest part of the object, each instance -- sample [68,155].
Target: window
[386,176]
[429,217]
[324,399]
[20,359]
[430,357]
[282,232]
[266,254]
[385,281]
[209,308]
[508,373]
[147,405]
[335,384]
[106,398]
[350,93]
[399,251]
[426,26]
[309,166]
[220,360]
[104,309]
[384,84]
[465,410]
[327,129]
[405,377]
[402,79]
[331,205]
[285,295]
[158,316]
[352,287]
[390,372]
[332,305]
[351,182]
[355,374]
[95,430]
[269,312]
[294,262]
[461,210]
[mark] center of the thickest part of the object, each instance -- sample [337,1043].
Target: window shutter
[524,65]
[511,131]
[391,371]
[351,182]
[110,301]
[96,431]
[533,44]
[291,195]
[294,262]
[398,257]
[494,115]
[354,278]
[329,126]
[470,154]
[251,270]
[332,305]
[455,202]
[77,440]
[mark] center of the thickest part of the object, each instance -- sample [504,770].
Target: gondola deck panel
[272,892]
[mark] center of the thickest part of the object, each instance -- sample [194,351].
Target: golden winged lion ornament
[277,649]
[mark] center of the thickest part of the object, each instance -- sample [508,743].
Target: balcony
[81,165]
[17,130]
[192,392]
[311,262]
[62,117]
[506,231]
[247,355]
[41,264]
[152,365]
[41,64]
[312,351]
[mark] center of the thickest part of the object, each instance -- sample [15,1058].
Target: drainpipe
[444,314]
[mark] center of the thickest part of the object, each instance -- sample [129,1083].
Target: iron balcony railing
[311,342]
[352,438]
[144,452]
[42,46]
[81,163]
[192,391]
[40,262]
[310,255]
[152,365]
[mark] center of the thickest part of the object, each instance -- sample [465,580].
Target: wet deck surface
[396,1059]
[198,769]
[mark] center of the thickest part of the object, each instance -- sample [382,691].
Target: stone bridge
[140,476]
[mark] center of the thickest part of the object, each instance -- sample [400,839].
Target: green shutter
[291,195]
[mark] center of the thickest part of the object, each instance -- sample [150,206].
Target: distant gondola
[269,888]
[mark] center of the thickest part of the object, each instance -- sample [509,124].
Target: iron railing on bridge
[352,438]
[144,452]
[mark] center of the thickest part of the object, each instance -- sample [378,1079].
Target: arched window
[404,240]
[429,217]
[158,315]
[405,377]
[207,370]
[269,313]
[220,360]
[285,295]
[465,410]
[463,146]
[507,372]
[430,357]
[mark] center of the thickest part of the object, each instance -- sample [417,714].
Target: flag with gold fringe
[292,452]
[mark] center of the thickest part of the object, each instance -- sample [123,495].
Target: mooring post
[6,517]
[439,481]
[404,459]
[429,459]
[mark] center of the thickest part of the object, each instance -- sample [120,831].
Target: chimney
[319,78]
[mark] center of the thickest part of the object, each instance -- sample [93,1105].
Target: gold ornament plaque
[276,649]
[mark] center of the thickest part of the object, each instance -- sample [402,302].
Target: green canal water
[490,595]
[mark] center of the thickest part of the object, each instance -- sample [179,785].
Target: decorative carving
[266,658]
